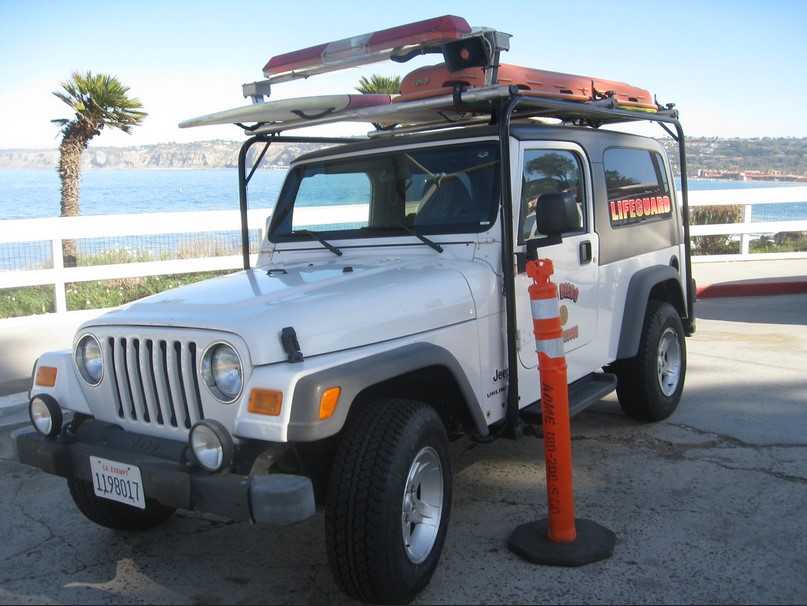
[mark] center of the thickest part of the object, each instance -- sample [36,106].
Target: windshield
[440,189]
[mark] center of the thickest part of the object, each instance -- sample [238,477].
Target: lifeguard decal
[635,210]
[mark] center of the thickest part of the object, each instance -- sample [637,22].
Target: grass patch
[783,242]
[115,256]
[28,301]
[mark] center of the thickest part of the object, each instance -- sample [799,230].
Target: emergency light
[449,35]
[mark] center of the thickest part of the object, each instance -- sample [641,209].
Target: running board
[582,394]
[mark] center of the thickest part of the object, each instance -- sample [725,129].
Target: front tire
[649,385]
[388,502]
[112,514]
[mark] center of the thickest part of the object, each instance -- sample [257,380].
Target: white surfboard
[290,110]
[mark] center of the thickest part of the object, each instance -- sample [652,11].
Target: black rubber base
[593,543]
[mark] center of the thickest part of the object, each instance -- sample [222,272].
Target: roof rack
[464,89]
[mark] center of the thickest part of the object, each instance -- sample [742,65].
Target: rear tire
[112,514]
[388,502]
[649,385]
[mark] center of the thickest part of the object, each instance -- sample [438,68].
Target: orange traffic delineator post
[559,540]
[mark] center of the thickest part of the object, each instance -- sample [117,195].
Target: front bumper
[169,476]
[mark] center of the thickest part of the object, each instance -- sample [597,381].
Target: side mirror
[555,215]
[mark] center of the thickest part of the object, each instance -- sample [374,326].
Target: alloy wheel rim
[668,363]
[422,507]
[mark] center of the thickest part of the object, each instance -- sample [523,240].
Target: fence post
[59,296]
[745,239]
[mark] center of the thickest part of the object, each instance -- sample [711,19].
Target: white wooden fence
[57,229]
[748,229]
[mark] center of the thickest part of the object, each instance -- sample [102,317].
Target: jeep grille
[155,381]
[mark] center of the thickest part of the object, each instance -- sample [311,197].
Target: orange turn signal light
[45,376]
[265,402]
[327,402]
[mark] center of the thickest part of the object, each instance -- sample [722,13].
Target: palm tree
[379,84]
[99,100]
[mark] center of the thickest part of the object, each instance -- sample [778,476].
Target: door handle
[584,252]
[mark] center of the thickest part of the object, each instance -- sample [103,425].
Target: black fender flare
[641,284]
[353,377]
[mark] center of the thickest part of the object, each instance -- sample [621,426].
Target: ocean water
[34,193]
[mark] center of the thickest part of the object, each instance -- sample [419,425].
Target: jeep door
[555,167]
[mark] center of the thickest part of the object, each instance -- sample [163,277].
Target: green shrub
[715,215]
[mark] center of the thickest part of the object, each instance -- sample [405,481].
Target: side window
[637,185]
[549,171]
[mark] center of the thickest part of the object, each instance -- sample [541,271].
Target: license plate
[117,481]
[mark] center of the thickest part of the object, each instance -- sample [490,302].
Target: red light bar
[368,48]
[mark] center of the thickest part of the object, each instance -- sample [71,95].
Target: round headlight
[46,415]
[222,372]
[211,445]
[89,359]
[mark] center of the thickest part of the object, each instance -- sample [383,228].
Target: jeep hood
[331,306]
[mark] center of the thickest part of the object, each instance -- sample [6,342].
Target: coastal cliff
[202,154]
[782,159]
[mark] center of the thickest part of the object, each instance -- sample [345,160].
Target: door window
[549,171]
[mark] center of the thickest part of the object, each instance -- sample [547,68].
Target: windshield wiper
[409,230]
[318,238]
[420,237]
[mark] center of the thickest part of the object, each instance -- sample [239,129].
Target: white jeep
[387,311]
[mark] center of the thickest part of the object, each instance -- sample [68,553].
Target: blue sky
[734,68]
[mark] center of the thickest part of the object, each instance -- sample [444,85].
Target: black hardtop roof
[588,138]
[376,143]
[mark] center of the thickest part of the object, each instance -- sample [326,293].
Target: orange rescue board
[436,80]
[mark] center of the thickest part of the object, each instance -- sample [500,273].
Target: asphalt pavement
[706,506]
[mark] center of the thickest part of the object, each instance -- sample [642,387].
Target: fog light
[46,415]
[211,445]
